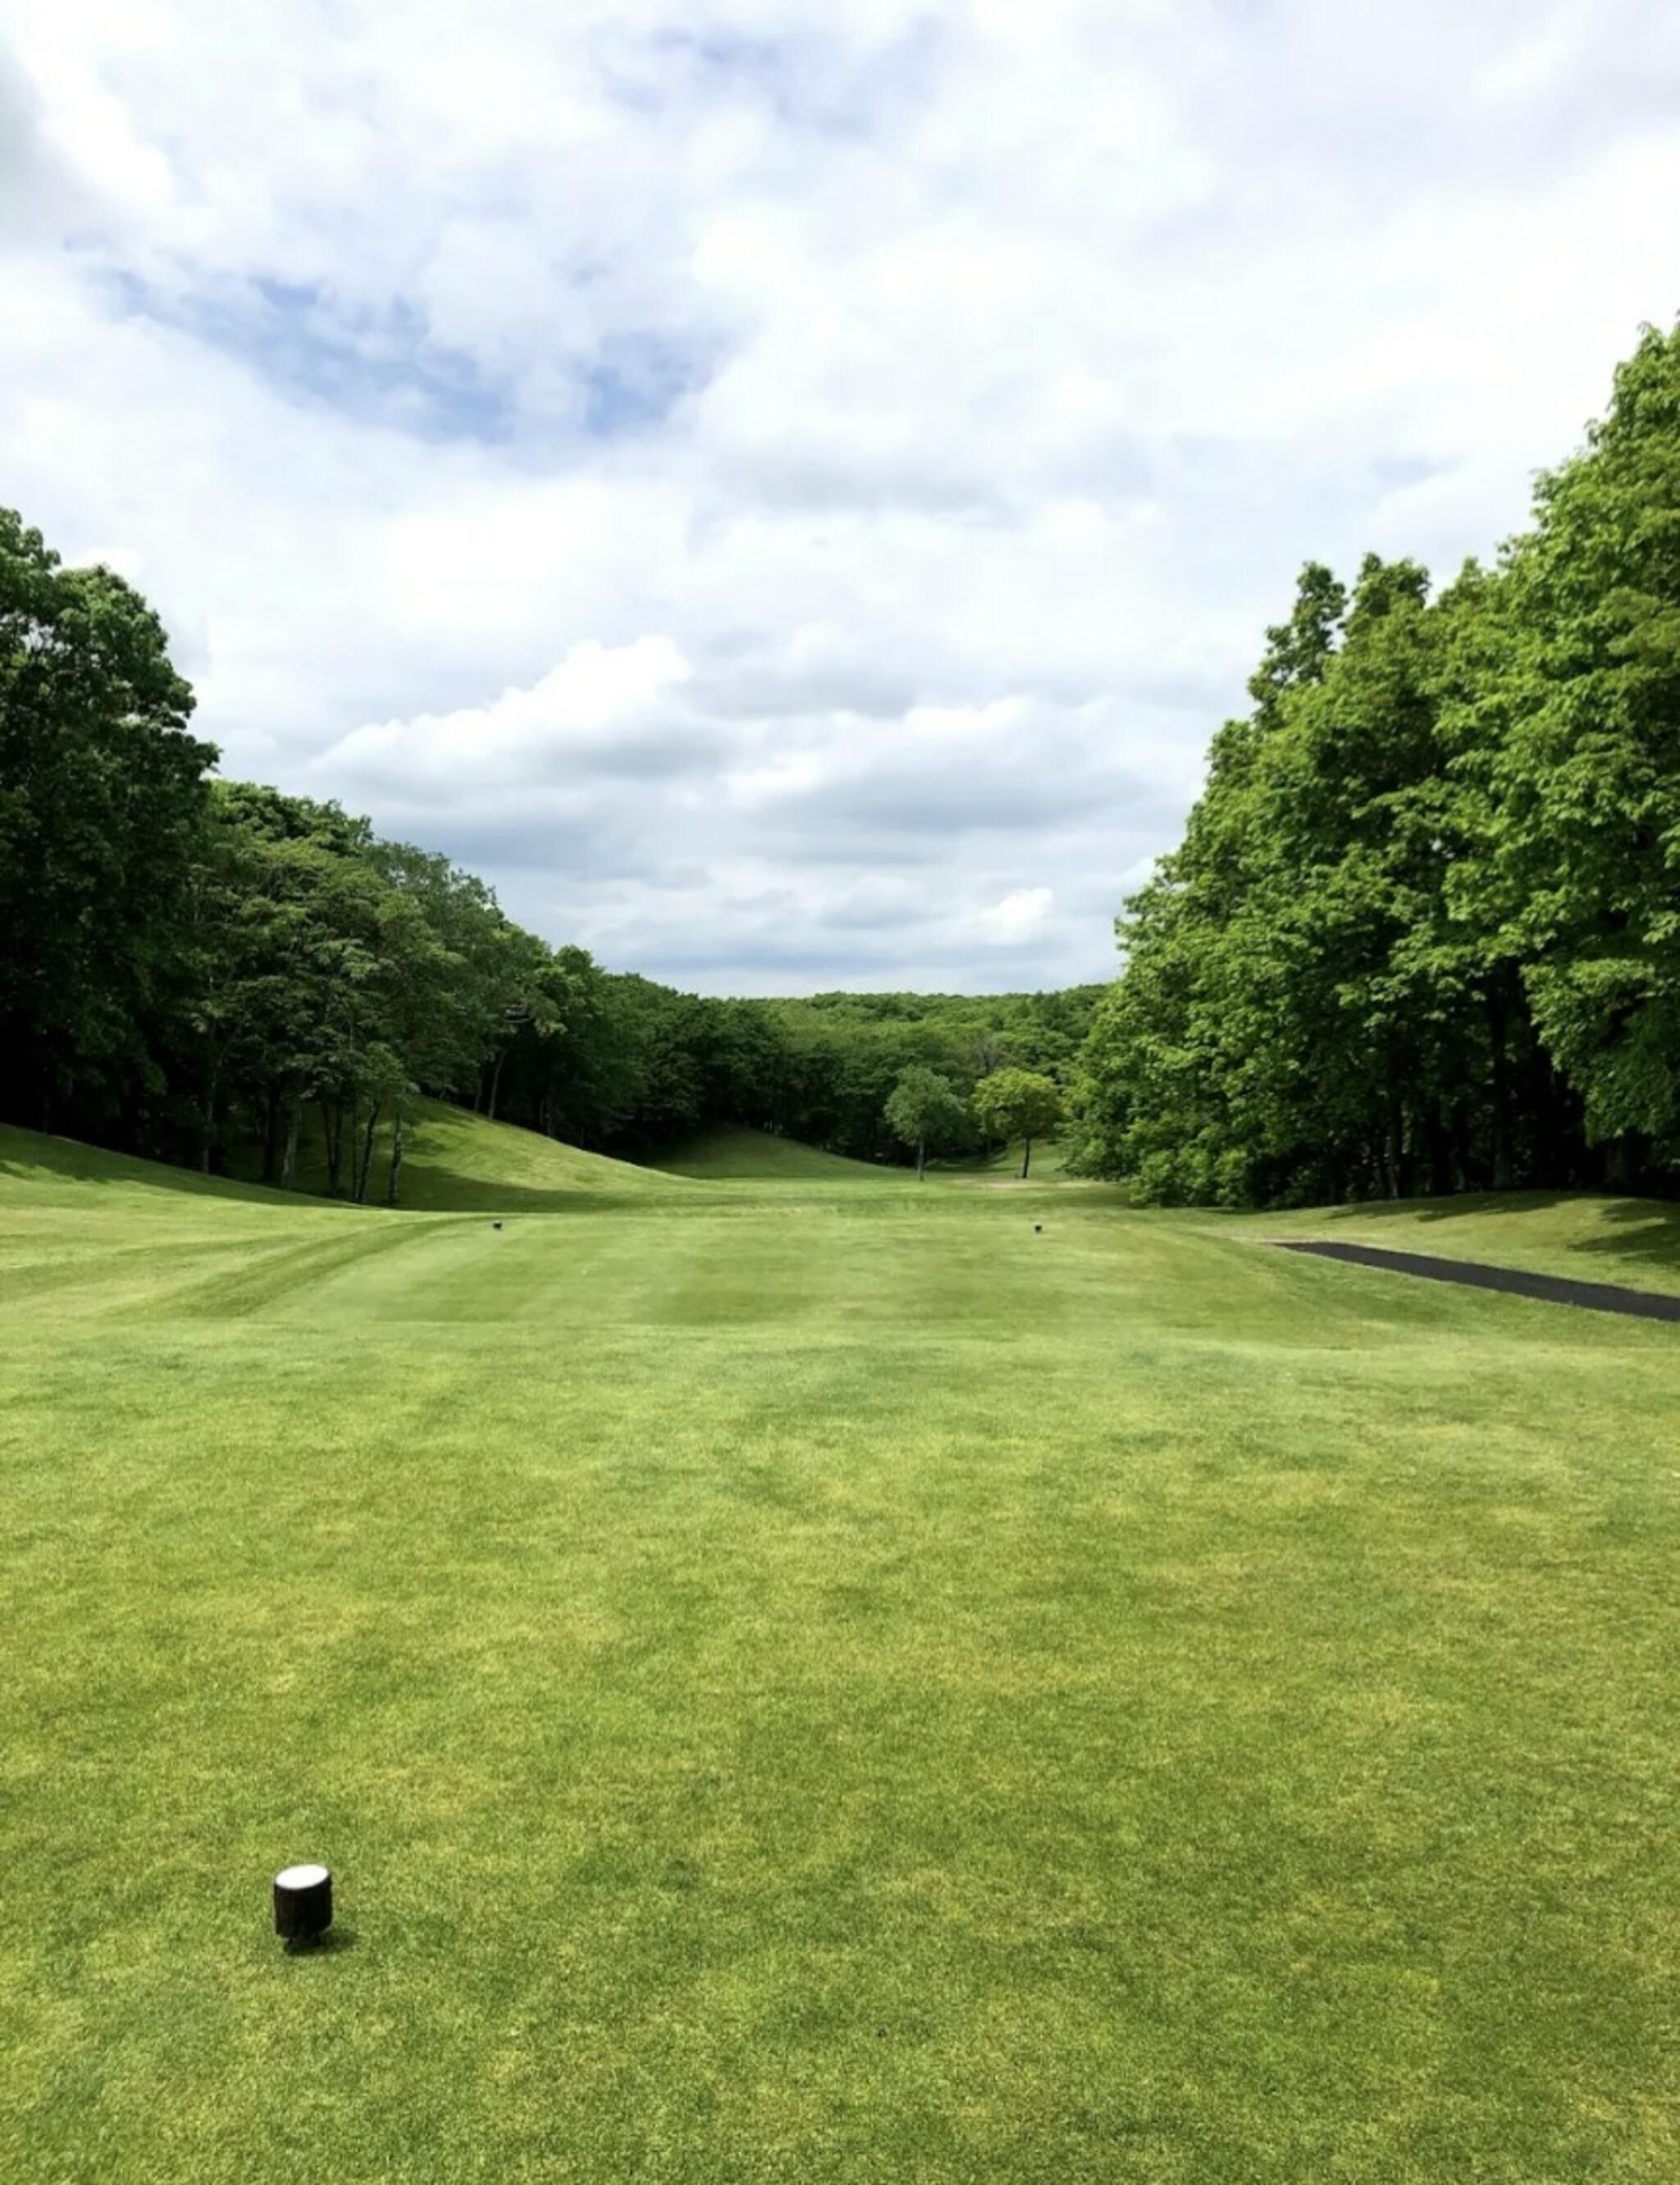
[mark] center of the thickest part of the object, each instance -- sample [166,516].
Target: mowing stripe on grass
[1554,1289]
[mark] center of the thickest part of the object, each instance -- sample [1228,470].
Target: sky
[787,492]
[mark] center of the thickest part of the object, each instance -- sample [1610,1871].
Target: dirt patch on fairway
[1515,1281]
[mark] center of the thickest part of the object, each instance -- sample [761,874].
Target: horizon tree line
[225,976]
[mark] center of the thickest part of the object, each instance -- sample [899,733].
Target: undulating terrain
[798,1674]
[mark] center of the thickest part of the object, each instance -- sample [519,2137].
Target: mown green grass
[823,1685]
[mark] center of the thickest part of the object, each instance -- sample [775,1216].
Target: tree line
[1423,932]
[211,972]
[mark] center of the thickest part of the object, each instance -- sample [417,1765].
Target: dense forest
[1423,932]
[208,971]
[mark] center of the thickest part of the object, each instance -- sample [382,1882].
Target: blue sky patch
[378,369]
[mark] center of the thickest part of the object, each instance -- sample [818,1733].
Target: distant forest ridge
[218,973]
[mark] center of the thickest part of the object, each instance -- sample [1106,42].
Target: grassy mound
[455,1162]
[62,1171]
[756,1156]
[1050,1165]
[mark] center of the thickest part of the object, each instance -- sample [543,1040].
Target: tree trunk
[1463,1143]
[366,1160]
[289,1156]
[333,1127]
[1026,1159]
[496,1082]
[921,1158]
[271,1134]
[396,1183]
[1440,1141]
[1501,1076]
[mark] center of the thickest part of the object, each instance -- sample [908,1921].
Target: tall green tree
[102,792]
[925,1110]
[1567,720]
[1312,1006]
[1017,1103]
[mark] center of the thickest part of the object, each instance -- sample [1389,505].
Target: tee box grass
[802,1676]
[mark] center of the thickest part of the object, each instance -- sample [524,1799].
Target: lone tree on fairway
[925,1110]
[1017,1103]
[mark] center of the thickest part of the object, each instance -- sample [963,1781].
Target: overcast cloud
[786,491]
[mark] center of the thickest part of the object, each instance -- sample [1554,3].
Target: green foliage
[1570,725]
[1421,933]
[1017,1103]
[926,1111]
[100,793]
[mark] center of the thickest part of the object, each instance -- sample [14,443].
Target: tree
[925,1110]
[1017,1103]
[102,792]
[1317,1003]
[1567,724]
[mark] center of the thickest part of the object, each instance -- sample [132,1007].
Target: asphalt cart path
[1516,1282]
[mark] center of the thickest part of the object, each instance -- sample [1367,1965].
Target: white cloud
[774,485]
[1016,918]
[592,708]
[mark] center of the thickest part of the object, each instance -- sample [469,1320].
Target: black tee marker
[303,1903]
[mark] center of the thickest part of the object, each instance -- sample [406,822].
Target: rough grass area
[823,1685]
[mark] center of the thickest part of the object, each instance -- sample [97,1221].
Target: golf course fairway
[810,1677]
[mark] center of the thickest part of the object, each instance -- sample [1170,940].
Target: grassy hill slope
[1050,1165]
[455,1162]
[757,1156]
[63,1171]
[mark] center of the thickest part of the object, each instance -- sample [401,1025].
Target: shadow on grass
[68,1160]
[438,1190]
[338,1939]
